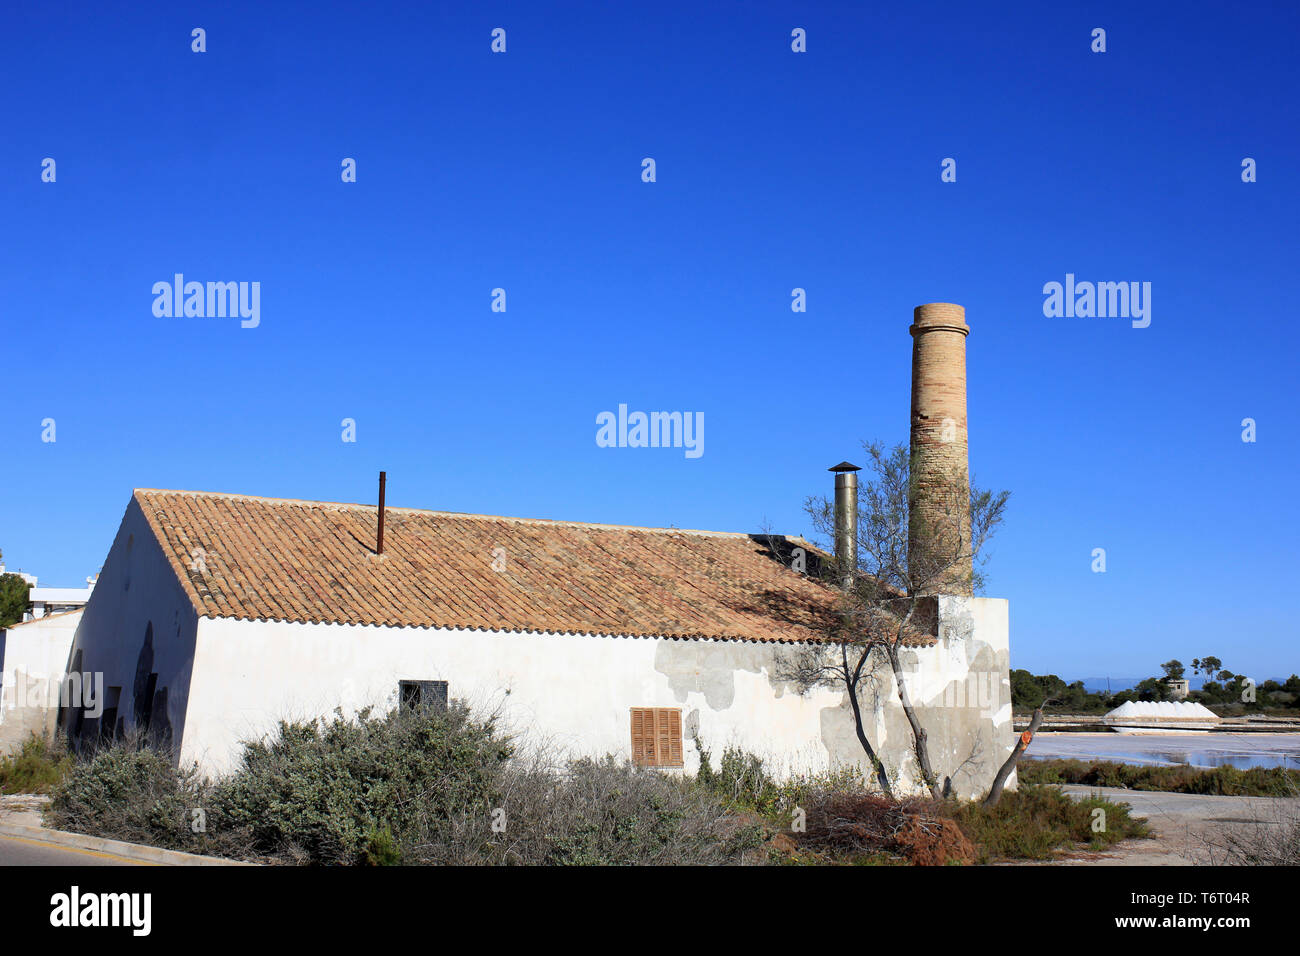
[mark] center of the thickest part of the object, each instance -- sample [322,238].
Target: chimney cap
[939,317]
[844,466]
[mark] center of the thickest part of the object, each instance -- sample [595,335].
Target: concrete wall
[574,692]
[138,623]
[964,685]
[34,657]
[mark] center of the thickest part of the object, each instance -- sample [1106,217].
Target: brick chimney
[939,496]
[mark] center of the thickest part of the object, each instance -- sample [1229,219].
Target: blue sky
[775,170]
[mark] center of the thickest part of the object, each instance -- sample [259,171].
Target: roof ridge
[344,505]
[47,617]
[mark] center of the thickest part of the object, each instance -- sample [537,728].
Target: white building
[44,601]
[217,615]
[34,658]
[33,661]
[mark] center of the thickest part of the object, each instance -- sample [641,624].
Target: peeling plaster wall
[962,691]
[574,692]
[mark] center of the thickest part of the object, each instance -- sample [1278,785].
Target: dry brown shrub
[782,843]
[864,824]
[934,842]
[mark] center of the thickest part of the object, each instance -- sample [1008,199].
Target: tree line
[1222,689]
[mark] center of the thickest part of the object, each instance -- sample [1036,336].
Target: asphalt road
[20,851]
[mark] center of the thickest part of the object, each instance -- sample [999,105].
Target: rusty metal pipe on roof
[379,545]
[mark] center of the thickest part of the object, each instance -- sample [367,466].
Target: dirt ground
[1188,827]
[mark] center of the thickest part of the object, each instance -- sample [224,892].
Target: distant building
[45,601]
[1178,687]
[34,660]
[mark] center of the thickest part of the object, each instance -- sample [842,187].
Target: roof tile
[281,559]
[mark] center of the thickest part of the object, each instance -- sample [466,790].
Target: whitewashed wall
[574,692]
[35,658]
[137,589]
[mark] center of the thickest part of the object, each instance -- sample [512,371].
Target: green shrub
[442,787]
[1034,822]
[1222,781]
[319,791]
[434,787]
[612,813]
[36,768]
[704,776]
[745,784]
[136,795]
[743,780]
[595,812]
[381,848]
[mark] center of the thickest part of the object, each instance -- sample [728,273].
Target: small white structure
[33,661]
[1160,717]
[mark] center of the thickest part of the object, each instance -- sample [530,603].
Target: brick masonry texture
[939,519]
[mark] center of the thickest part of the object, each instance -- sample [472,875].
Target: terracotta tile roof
[287,560]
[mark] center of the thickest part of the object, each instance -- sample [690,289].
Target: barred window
[420,694]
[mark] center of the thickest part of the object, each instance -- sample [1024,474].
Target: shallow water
[1197,750]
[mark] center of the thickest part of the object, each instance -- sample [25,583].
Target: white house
[216,615]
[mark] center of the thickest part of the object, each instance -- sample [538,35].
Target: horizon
[775,172]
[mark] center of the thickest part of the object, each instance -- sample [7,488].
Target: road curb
[131,851]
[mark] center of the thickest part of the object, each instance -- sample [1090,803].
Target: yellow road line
[73,849]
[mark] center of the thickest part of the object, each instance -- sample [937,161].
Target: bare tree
[886,602]
[1022,744]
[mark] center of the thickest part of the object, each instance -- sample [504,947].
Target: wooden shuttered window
[657,736]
